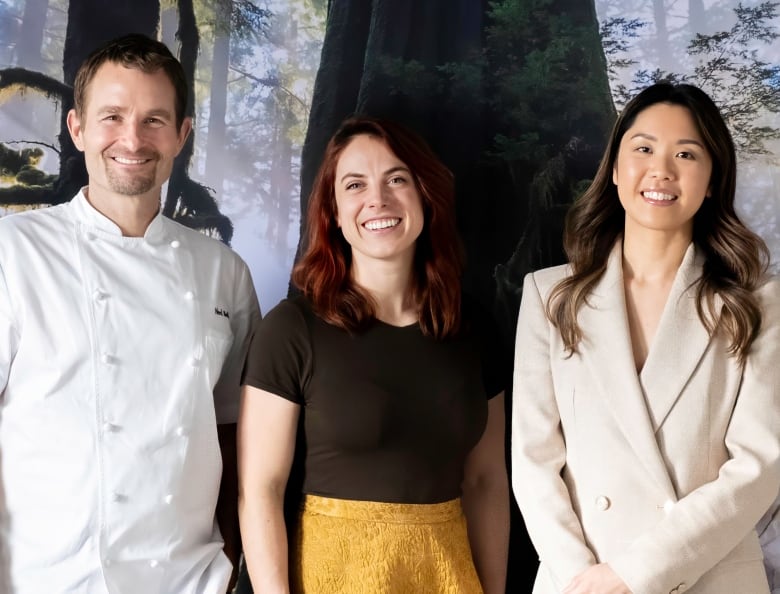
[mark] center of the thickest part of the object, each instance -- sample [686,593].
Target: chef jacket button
[106,358]
[175,243]
[194,361]
[168,498]
[89,236]
[118,497]
[106,562]
[99,295]
[668,505]
[109,427]
[189,295]
[603,503]
[153,563]
[180,431]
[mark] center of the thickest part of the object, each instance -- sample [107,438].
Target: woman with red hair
[395,381]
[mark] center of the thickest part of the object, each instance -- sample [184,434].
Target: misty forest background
[516,96]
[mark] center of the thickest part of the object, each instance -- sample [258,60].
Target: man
[122,338]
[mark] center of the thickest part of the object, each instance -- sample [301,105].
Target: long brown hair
[323,273]
[736,258]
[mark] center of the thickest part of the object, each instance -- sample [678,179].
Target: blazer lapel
[679,344]
[606,350]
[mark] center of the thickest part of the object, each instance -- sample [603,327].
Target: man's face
[128,133]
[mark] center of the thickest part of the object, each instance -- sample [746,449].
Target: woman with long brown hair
[646,420]
[397,385]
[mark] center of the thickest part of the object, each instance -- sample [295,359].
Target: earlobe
[614,175]
[74,127]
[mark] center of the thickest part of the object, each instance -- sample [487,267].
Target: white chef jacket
[118,357]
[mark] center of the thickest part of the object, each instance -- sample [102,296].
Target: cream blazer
[662,474]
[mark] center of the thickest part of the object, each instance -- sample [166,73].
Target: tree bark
[188,201]
[215,144]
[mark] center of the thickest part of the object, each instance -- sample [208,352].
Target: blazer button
[603,503]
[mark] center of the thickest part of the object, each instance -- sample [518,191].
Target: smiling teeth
[658,196]
[377,224]
[129,161]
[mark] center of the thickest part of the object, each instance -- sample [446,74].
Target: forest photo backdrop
[516,96]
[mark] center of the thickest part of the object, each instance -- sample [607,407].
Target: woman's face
[379,209]
[662,171]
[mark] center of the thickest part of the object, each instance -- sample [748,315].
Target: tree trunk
[664,61]
[215,145]
[697,17]
[281,167]
[169,20]
[188,201]
[28,49]
[337,84]
[36,121]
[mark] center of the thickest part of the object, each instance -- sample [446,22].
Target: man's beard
[129,184]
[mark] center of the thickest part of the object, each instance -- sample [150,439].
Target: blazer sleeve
[706,524]
[539,450]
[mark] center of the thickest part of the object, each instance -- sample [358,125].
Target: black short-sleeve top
[388,414]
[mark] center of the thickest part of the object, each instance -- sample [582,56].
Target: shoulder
[546,278]
[201,242]
[214,259]
[288,315]
[768,294]
[39,231]
[33,219]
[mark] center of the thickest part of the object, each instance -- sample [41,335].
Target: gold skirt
[366,547]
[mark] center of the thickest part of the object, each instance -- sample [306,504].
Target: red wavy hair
[323,272]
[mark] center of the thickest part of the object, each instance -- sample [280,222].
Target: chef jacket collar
[97,221]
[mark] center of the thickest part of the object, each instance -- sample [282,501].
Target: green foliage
[542,58]
[616,34]
[727,65]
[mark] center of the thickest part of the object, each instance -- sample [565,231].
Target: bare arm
[486,501]
[227,503]
[266,443]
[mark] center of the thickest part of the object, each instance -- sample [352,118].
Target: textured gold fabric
[366,547]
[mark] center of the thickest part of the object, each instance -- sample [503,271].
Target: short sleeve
[494,355]
[279,359]
[245,318]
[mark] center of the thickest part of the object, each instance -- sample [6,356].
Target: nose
[663,166]
[378,196]
[132,134]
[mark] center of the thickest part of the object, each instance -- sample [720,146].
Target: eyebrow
[388,172]
[161,112]
[681,141]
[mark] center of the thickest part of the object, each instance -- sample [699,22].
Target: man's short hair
[133,51]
